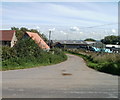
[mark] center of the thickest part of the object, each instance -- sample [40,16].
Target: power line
[100,25]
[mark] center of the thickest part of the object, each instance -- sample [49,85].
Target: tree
[20,32]
[89,39]
[111,39]
[27,48]
[34,30]
[14,28]
[44,37]
[24,29]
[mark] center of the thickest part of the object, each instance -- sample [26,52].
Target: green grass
[48,59]
[13,64]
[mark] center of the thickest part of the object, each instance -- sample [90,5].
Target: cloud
[64,33]
[60,0]
[113,30]
[63,14]
[57,13]
[81,32]
[84,14]
[37,27]
[74,28]
[53,29]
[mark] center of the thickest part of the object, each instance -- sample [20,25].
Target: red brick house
[7,38]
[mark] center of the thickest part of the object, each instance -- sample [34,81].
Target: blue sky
[69,18]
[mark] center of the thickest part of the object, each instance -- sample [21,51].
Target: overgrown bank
[104,62]
[26,54]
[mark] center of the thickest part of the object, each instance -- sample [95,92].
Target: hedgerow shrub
[8,53]
[104,62]
[106,58]
[26,53]
[110,67]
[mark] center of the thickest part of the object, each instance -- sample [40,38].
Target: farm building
[8,38]
[96,44]
[69,44]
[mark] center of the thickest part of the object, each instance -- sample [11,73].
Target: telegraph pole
[49,36]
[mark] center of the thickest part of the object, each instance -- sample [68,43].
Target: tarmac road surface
[69,79]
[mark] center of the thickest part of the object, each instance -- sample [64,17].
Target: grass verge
[13,64]
[112,67]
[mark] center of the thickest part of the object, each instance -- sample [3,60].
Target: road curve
[69,79]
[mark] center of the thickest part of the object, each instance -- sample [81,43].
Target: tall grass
[104,62]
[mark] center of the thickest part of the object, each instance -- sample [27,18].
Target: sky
[67,20]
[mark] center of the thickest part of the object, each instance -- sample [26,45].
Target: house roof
[69,41]
[7,35]
[90,42]
[41,43]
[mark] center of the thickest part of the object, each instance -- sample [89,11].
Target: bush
[106,58]
[26,53]
[8,53]
[104,62]
[111,67]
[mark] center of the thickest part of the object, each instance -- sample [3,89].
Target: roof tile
[38,40]
[6,35]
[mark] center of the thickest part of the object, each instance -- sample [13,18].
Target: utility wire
[100,25]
